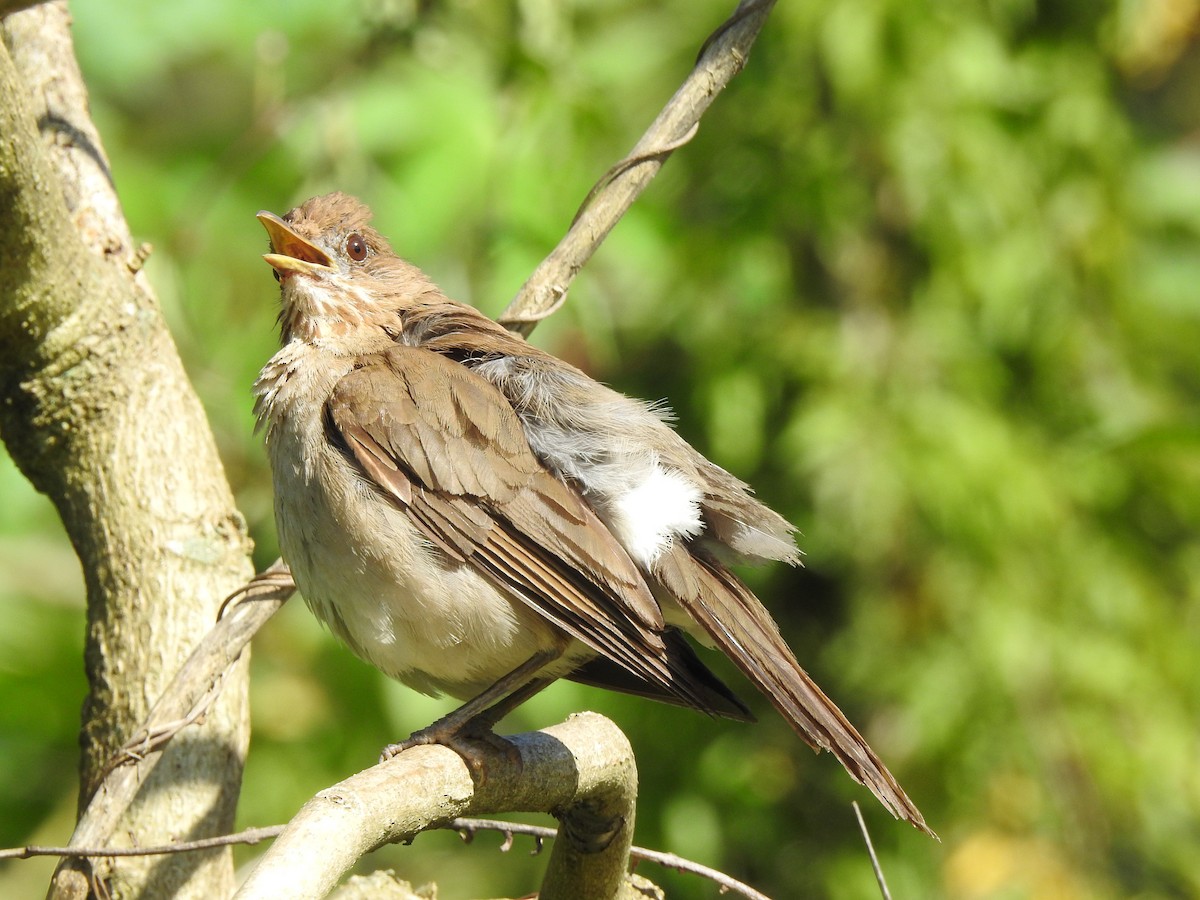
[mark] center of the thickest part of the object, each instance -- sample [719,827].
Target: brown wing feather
[745,631]
[445,446]
[602,672]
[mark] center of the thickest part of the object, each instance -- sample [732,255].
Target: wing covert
[446,448]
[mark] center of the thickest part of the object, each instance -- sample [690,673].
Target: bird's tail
[739,624]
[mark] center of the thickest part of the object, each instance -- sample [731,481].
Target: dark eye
[356,247]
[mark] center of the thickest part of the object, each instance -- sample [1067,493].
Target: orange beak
[292,253]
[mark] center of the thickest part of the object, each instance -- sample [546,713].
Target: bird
[478,518]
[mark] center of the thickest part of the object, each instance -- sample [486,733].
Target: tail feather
[739,624]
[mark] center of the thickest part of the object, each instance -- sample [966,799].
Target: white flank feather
[650,515]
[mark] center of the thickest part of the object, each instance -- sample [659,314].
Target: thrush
[476,517]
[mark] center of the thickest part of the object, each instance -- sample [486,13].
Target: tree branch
[721,57]
[98,414]
[467,827]
[581,770]
[185,702]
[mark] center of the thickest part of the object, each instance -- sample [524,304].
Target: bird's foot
[474,745]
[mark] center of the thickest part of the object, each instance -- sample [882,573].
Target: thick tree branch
[582,771]
[97,412]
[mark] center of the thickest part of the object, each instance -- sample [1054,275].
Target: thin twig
[669,860]
[198,681]
[465,826]
[862,826]
[634,159]
[248,836]
[722,56]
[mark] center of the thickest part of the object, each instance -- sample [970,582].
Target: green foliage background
[927,277]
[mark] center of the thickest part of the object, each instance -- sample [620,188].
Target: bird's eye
[356,247]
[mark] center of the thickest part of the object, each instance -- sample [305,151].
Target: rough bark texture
[96,410]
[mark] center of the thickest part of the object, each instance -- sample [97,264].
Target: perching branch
[582,771]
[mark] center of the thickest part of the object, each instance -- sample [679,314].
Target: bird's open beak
[292,253]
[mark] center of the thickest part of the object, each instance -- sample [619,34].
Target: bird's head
[336,273]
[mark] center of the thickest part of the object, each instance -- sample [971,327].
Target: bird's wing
[741,626]
[445,447]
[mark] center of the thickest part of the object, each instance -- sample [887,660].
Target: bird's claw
[474,747]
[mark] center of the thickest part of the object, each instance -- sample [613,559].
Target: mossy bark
[96,410]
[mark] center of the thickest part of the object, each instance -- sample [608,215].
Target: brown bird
[477,518]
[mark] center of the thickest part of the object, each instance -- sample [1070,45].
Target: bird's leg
[462,729]
[481,724]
